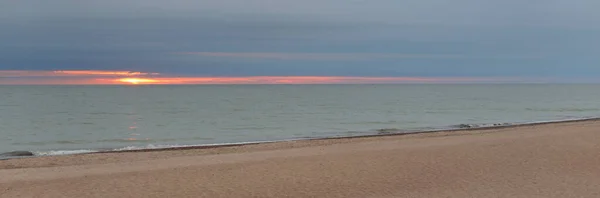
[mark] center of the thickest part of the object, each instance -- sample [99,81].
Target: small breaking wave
[166,146]
[64,152]
[563,109]
[52,142]
[149,146]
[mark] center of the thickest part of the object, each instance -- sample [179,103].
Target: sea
[57,120]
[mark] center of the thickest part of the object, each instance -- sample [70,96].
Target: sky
[290,41]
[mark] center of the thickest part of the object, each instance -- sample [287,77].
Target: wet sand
[546,160]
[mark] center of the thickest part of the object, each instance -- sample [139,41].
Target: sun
[136,81]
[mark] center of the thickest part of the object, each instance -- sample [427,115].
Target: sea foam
[63,152]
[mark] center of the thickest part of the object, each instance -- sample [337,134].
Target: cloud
[387,37]
[322,56]
[577,12]
[70,73]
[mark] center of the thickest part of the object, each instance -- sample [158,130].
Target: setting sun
[136,81]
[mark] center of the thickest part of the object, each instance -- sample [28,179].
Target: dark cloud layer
[499,38]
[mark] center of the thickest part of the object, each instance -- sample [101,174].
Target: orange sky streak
[281,80]
[102,77]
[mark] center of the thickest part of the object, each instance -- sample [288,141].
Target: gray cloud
[492,38]
[466,12]
[321,56]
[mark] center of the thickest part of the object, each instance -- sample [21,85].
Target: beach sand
[546,160]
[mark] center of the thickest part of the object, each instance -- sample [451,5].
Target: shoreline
[117,155]
[391,132]
[534,160]
[483,128]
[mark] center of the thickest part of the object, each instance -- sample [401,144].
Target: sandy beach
[546,160]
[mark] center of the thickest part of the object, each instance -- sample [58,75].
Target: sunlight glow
[136,81]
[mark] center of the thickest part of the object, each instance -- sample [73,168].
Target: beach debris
[16,154]
[466,126]
[469,126]
[387,131]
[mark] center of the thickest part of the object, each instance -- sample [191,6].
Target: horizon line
[126,77]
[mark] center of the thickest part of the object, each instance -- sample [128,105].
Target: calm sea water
[70,119]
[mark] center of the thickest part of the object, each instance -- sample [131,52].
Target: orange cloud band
[286,80]
[102,77]
[244,80]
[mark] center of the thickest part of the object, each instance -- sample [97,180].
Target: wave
[167,146]
[378,122]
[52,142]
[149,146]
[126,140]
[139,148]
[563,109]
[132,140]
[63,152]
